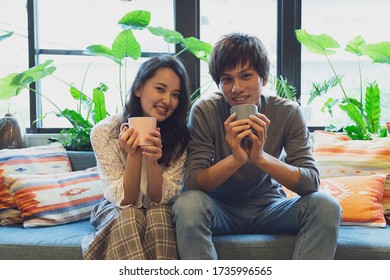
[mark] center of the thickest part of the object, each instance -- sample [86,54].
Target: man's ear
[265,81]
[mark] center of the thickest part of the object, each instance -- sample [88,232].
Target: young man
[233,187]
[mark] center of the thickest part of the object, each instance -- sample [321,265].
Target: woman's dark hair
[237,49]
[174,130]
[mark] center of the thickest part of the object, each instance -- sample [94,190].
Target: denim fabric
[314,219]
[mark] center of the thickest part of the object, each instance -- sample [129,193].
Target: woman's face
[160,94]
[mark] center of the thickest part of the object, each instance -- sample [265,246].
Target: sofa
[63,242]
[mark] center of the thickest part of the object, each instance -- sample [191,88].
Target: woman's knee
[160,212]
[132,213]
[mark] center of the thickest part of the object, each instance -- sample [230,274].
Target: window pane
[14,53]
[351,18]
[247,16]
[84,73]
[76,24]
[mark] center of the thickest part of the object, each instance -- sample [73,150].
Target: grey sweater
[287,138]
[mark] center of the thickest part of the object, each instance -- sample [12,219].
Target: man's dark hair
[237,49]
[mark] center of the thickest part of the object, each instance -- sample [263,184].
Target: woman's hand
[236,131]
[153,152]
[128,140]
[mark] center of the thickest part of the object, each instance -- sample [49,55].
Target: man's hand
[236,131]
[260,124]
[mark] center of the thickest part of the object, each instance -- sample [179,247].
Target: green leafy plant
[125,46]
[365,112]
[15,83]
[283,88]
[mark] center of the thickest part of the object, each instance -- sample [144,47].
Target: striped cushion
[337,156]
[47,200]
[48,159]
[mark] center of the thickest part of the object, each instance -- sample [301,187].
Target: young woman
[134,220]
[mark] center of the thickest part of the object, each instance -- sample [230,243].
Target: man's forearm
[212,177]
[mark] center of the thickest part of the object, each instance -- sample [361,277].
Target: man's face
[242,85]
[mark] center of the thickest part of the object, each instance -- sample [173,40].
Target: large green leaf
[355,133]
[354,46]
[100,50]
[36,73]
[354,102]
[170,36]
[379,52]
[198,48]
[321,44]
[138,19]
[12,84]
[5,36]
[125,44]
[373,107]
[81,97]
[355,115]
[76,119]
[7,89]
[99,112]
[78,95]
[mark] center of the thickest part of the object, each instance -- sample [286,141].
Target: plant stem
[9,105]
[334,73]
[70,85]
[82,85]
[179,53]
[51,102]
[361,82]
[120,85]
[125,81]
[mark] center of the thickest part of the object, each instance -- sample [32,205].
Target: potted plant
[124,46]
[364,112]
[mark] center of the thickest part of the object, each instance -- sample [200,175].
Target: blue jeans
[314,218]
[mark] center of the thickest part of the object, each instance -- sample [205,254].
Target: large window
[14,53]
[62,27]
[343,20]
[247,16]
[61,30]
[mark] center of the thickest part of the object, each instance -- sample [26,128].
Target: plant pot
[12,134]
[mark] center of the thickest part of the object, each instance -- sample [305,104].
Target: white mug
[143,125]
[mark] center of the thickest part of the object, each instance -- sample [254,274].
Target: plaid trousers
[131,233]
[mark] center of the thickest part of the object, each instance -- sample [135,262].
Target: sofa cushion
[53,199]
[47,159]
[62,242]
[337,155]
[353,243]
[360,198]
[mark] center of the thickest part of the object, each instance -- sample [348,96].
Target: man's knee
[326,206]
[190,207]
